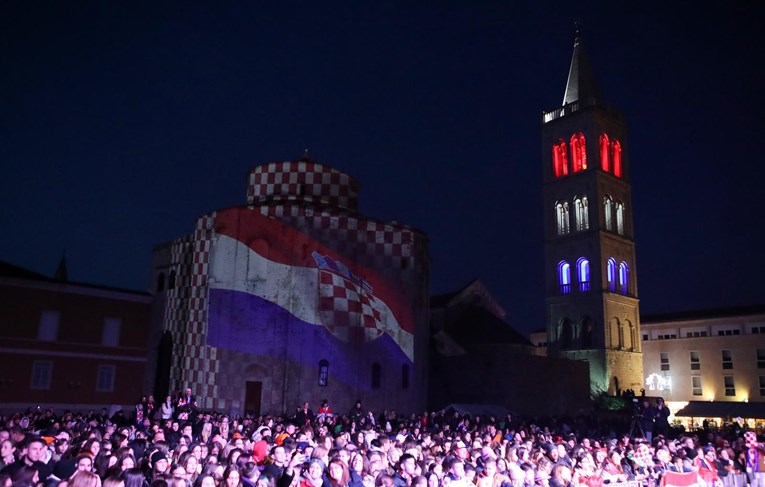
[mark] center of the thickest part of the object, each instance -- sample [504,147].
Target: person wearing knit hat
[314,474]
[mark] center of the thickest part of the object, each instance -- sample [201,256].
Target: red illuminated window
[616,154]
[560,159]
[605,152]
[578,152]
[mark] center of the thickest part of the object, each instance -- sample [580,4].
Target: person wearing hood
[313,476]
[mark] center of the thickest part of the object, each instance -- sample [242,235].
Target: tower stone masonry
[592,306]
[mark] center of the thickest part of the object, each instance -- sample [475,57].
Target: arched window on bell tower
[620,218]
[564,277]
[616,156]
[605,153]
[583,274]
[561,215]
[611,274]
[624,278]
[608,211]
[578,152]
[581,207]
[560,158]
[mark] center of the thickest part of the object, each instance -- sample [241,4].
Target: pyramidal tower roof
[581,82]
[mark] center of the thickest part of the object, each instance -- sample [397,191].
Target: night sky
[121,122]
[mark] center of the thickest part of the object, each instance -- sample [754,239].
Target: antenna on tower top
[578,27]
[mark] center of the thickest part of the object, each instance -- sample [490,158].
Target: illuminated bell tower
[591,280]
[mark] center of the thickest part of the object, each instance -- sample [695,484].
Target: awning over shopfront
[723,409]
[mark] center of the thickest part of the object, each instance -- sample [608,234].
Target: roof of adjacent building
[722,409]
[11,271]
[698,314]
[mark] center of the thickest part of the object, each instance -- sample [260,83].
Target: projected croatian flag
[270,282]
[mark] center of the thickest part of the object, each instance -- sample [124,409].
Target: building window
[608,210]
[405,376]
[105,378]
[560,159]
[762,385]
[729,332]
[624,278]
[664,358]
[583,274]
[758,330]
[727,359]
[161,282]
[171,280]
[666,336]
[760,358]
[581,207]
[616,157]
[730,386]
[695,334]
[376,375]
[564,277]
[110,335]
[696,385]
[48,331]
[323,372]
[561,215]
[611,274]
[645,337]
[605,149]
[578,152]
[42,370]
[695,360]
[620,218]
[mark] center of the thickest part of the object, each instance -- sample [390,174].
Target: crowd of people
[176,444]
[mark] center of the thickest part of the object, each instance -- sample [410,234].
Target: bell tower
[591,292]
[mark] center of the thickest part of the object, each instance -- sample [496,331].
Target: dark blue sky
[123,122]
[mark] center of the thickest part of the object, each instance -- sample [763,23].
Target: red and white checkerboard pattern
[321,202]
[302,180]
[347,309]
[750,439]
[374,244]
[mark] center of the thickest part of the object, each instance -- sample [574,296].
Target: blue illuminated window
[323,372]
[564,277]
[624,278]
[611,273]
[583,273]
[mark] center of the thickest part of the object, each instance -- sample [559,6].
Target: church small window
[608,210]
[560,158]
[624,278]
[161,282]
[376,375]
[581,206]
[616,156]
[620,218]
[605,153]
[564,277]
[611,274]
[583,274]
[171,281]
[323,372]
[561,215]
[578,152]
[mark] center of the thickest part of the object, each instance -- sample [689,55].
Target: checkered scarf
[752,453]
[642,455]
